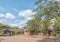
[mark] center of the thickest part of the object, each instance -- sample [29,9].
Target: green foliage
[4,25]
[53,33]
[33,26]
[1,31]
[57,23]
[42,30]
[46,10]
[49,10]
[14,30]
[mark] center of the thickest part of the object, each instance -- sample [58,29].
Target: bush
[53,33]
[15,32]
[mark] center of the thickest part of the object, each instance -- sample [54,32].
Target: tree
[46,10]
[33,26]
[49,9]
[57,23]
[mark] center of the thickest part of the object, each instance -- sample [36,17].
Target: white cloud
[29,18]
[1,21]
[23,22]
[27,14]
[9,16]
[20,24]
[16,10]
[4,20]
[55,0]
[2,15]
[13,25]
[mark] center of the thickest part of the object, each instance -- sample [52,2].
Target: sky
[16,12]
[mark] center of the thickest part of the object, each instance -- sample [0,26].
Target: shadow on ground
[50,40]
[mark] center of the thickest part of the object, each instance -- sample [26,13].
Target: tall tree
[46,10]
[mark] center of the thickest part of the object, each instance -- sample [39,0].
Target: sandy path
[19,38]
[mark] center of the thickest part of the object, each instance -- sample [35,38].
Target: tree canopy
[46,10]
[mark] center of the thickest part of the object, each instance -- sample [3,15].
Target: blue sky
[16,12]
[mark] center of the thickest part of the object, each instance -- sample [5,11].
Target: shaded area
[50,40]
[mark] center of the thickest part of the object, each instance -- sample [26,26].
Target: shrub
[53,33]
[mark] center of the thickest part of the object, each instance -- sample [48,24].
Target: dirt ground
[20,38]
